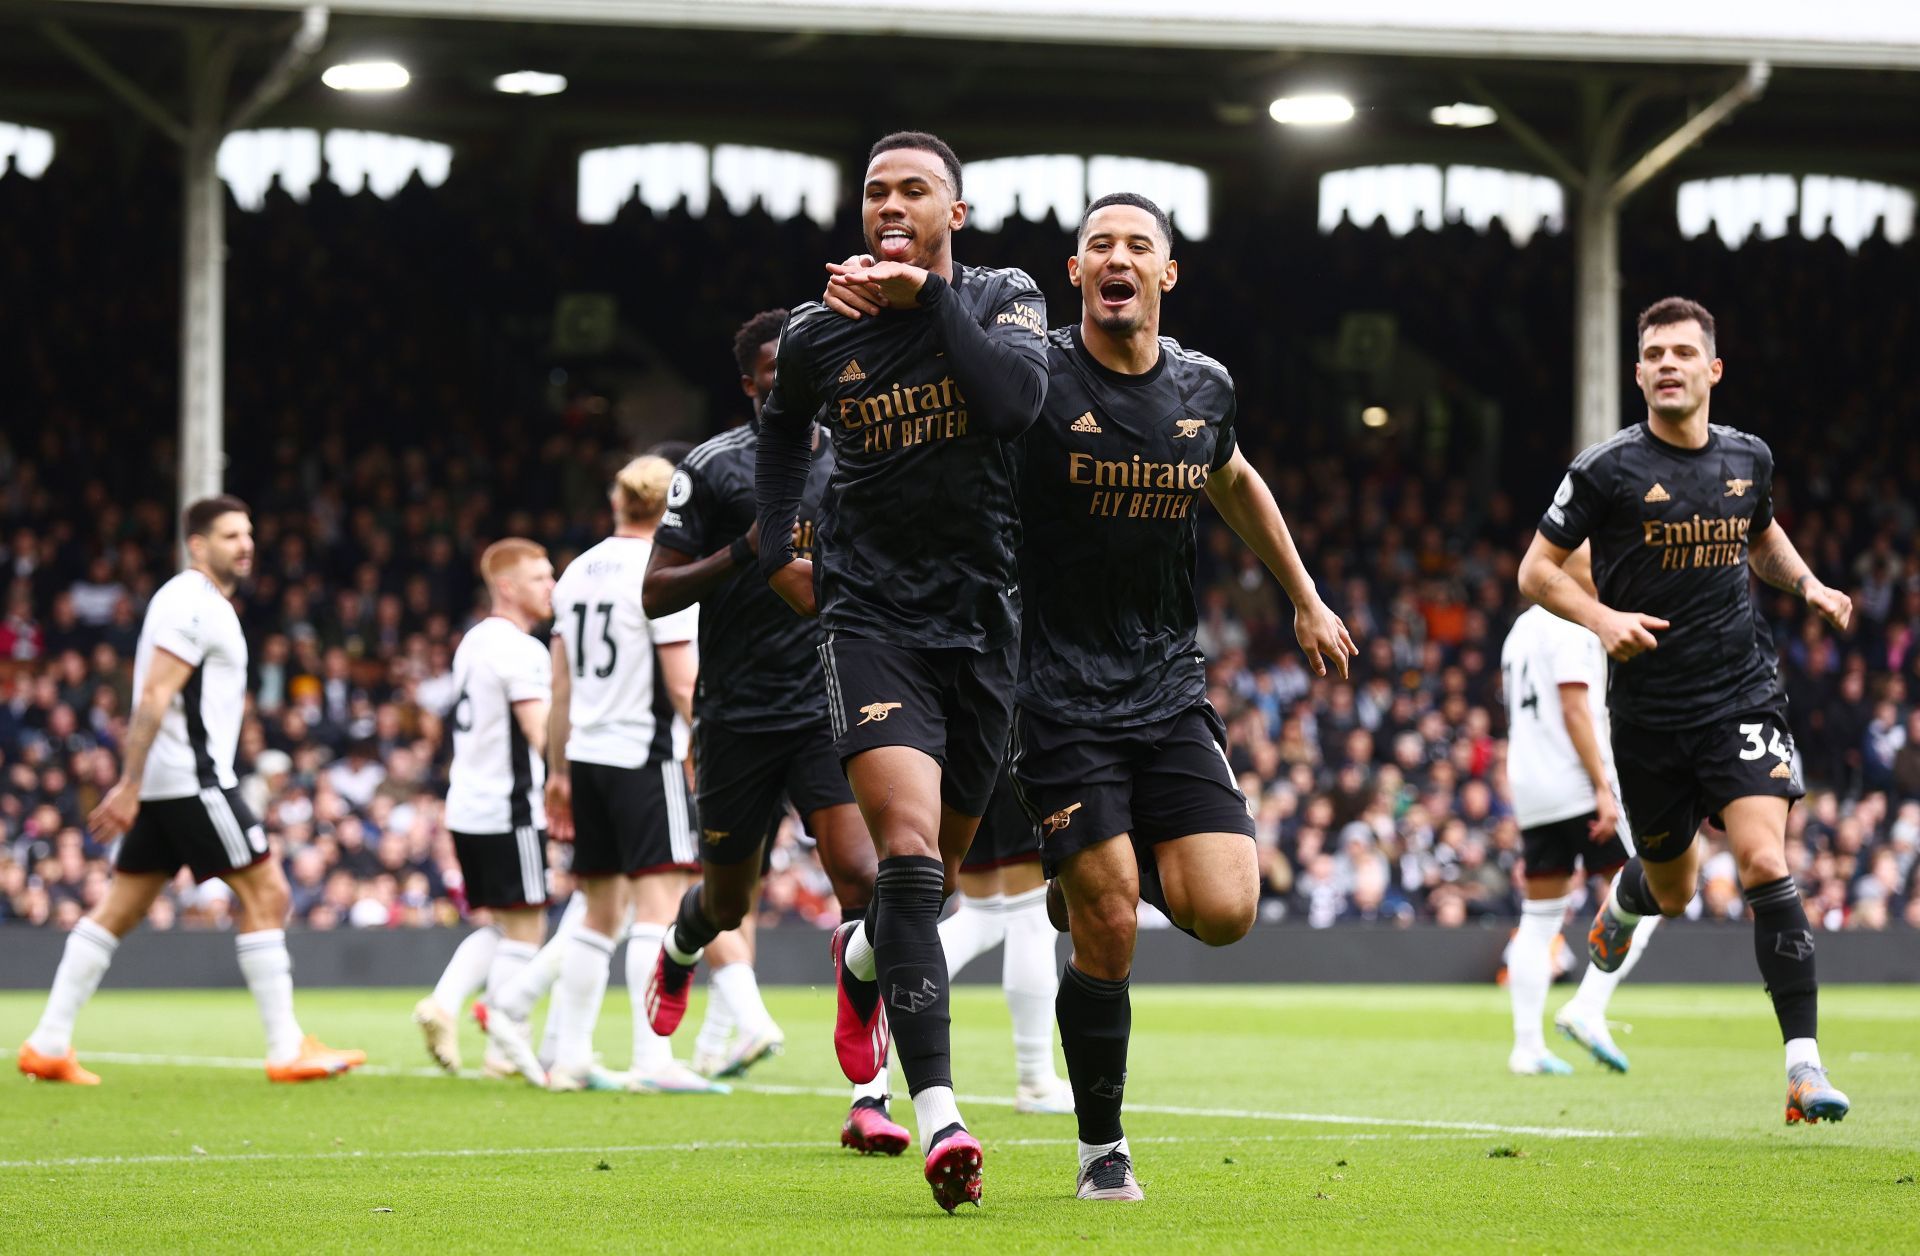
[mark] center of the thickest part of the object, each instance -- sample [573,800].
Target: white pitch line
[464,1153]
[1248,1114]
[999,1101]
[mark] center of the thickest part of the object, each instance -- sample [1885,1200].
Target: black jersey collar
[1713,439]
[1120,378]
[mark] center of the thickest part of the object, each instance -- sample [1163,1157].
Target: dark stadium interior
[399,392]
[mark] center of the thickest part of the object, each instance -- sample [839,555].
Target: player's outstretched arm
[559,729]
[1243,499]
[166,676]
[1543,579]
[1774,558]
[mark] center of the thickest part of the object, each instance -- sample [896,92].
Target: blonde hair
[507,553]
[640,490]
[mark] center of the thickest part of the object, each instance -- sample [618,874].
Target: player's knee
[1111,919]
[1672,900]
[1761,867]
[1225,922]
[726,910]
[267,906]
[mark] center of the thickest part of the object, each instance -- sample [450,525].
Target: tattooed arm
[1775,560]
[1543,579]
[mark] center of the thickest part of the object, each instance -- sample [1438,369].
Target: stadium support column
[203,297]
[210,60]
[1598,194]
[1596,319]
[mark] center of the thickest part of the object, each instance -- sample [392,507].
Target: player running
[761,730]
[617,789]
[178,804]
[495,811]
[1678,510]
[1560,769]
[916,588]
[1003,902]
[1118,756]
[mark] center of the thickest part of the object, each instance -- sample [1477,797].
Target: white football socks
[510,959]
[1530,970]
[976,926]
[859,957]
[1089,1152]
[716,1027]
[269,972]
[83,963]
[467,970]
[651,1052]
[1030,977]
[577,997]
[741,989]
[1802,1051]
[933,1110]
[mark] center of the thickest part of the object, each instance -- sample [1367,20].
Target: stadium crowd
[395,403]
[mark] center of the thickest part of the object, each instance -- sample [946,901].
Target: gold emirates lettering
[1695,531]
[1136,473]
[899,401]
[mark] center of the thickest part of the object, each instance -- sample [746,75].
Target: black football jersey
[1111,482]
[758,667]
[1670,529]
[917,535]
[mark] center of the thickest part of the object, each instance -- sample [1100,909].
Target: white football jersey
[1543,652]
[192,620]
[496,782]
[620,713]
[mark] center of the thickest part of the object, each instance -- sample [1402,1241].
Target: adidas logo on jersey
[1782,771]
[852,374]
[1086,423]
[1657,494]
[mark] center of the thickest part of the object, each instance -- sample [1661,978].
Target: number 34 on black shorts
[1672,779]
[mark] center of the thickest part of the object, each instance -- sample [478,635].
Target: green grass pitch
[1263,1119]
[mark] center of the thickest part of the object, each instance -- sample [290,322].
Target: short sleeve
[562,596]
[1578,508]
[529,674]
[685,527]
[1223,440]
[1571,655]
[682,625]
[182,626]
[1762,489]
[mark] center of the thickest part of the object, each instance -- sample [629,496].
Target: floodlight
[530,83]
[1320,110]
[1374,416]
[366,76]
[1463,114]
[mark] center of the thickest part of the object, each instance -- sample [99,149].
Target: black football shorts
[1157,782]
[632,821]
[955,704]
[212,833]
[1672,779]
[747,780]
[1553,849]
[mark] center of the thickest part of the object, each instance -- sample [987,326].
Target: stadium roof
[1184,82]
